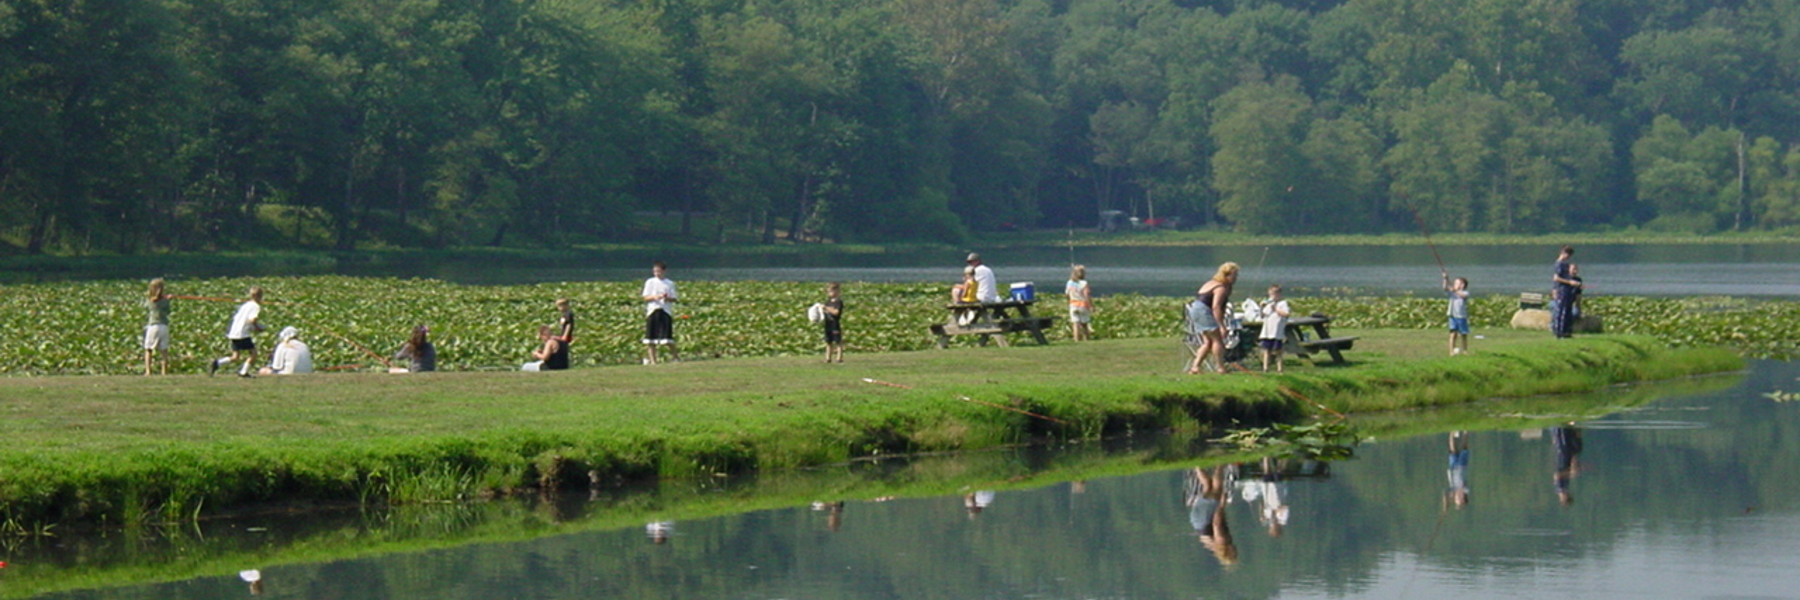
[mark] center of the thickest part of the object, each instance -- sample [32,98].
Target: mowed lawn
[131,413]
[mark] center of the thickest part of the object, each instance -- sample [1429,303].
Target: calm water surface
[1692,496]
[1638,270]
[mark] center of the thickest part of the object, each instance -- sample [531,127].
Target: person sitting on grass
[552,356]
[1458,290]
[419,354]
[291,356]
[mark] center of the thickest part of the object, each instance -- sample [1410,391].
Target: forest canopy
[137,126]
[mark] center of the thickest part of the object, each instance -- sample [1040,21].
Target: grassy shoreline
[145,450]
[215,548]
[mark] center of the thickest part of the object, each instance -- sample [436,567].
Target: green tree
[1343,156]
[1260,128]
[95,102]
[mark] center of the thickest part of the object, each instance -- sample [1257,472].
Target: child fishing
[1458,310]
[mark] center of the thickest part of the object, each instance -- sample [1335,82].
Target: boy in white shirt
[1275,313]
[244,327]
[659,324]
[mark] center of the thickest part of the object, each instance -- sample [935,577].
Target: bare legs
[1213,346]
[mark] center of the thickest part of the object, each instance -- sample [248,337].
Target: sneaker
[212,368]
[245,375]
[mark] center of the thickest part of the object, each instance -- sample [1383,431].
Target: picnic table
[992,321]
[1307,335]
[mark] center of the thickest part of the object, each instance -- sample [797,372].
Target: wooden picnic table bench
[1307,335]
[992,321]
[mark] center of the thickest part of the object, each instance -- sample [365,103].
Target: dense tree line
[149,125]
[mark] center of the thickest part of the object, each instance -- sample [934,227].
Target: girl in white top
[659,325]
[1081,306]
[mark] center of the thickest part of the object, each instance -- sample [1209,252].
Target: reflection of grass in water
[165,449]
[220,548]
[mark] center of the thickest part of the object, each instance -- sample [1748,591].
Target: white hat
[288,333]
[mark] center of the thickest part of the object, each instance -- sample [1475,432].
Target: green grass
[163,449]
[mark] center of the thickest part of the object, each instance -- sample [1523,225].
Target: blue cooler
[1024,292]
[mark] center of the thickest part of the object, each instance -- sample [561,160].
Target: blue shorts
[1459,325]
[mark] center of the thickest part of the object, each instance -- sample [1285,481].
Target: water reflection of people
[659,531]
[834,513]
[977,501]
[1205,499]
[1567,440]
[1457,473]
[1268,493]
[254,578]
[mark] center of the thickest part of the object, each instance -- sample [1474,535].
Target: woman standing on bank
[156,328]
[1208,317]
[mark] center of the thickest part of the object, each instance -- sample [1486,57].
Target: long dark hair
[418,337]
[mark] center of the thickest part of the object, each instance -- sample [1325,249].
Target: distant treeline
[154,125]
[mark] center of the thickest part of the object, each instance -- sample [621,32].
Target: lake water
[1689,496]
[1766,270]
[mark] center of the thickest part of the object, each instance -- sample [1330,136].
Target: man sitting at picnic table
[987,292]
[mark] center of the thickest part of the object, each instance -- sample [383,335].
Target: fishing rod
[231,300]
[1434,250]
[1071,243]
[384,360]
[1297,395]
[1022,412]
[972,400]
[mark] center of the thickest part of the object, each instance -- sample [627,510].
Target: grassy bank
[218,548]
[153,449]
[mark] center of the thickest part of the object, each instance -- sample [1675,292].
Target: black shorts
[1270,344]
[659,328]
[834,333]
[238,344]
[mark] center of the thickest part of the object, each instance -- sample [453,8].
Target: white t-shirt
[291,357]
[657,286]
[244,320]
[989,291]
[1274,320]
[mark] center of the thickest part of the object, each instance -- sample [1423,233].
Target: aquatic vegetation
[356,323]
[1319,440]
